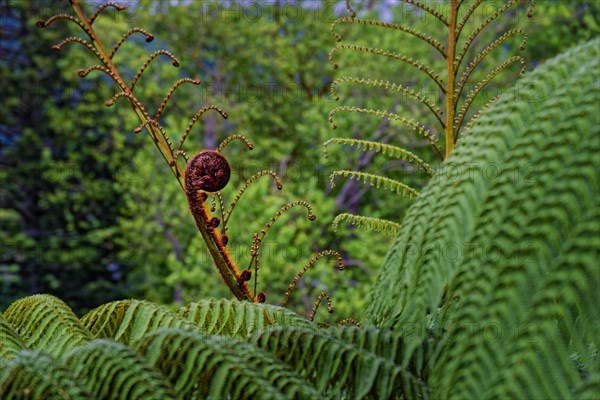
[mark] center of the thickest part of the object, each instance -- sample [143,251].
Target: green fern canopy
[138,350]
[496,266]
[490,291]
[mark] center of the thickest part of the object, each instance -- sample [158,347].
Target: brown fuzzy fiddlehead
[208,171]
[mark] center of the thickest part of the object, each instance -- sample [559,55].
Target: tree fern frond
[385,343]
[589,388]
[218,367]
[195,119]
[238,318]
[325,253]
[147,63]
[74,39]
[396,56]
[511,260]
[467,15]
[460,117]
[383,148]
[426,38]
[46,323]
[416,126]
[85,72]
[552,319]
[11,343]
[377,181]
[111,370]
[36,375]
[258,238]
[170,94]
[245,186]
[323,295]
[430,104]
[386,227]
[481,111]
[337,366]
[465,47]
[61,17]
[149,38]
[477,60]
[440,17]
[128,320]
[101,8]
[231,138]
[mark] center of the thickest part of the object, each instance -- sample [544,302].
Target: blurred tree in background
[89,211]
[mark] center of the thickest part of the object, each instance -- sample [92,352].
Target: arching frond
[385,343]
[128,320]
[238,318]
[398,27]
[383,148]
[460,117]
[483,54]
[326,253]
[377,181]
[338,366]
[509,262]
[147,63]
[11,343]
[149,38]
[430,104]
[36,375]
[46,323]
[411,123]
[371,224]
[111,370]
[389,54]
[219,367]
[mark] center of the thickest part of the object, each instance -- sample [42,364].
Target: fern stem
[451,72]
[106,60]
[210,236]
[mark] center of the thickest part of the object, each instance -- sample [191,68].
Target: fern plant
[450,112]
[515,317]
[202,176]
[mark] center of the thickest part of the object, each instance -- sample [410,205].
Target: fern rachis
[451,114]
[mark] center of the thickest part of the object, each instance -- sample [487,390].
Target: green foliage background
[89,211]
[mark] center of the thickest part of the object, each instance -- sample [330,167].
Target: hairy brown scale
[208,171]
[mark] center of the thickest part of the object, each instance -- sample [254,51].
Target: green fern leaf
[46,323]
[35,375]
[11,343]
[387,344]
[128,320]
[506,251]
[411,123]
[588,389]
[239,318]
[386,149]
[111,370]
[372,224]
[339,367]
[377,181]
[427,102]
[218,367]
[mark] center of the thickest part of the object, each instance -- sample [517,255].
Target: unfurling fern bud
[261,297]
[245,275]
[208,171]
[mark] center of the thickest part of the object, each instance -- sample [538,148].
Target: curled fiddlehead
[205,173]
